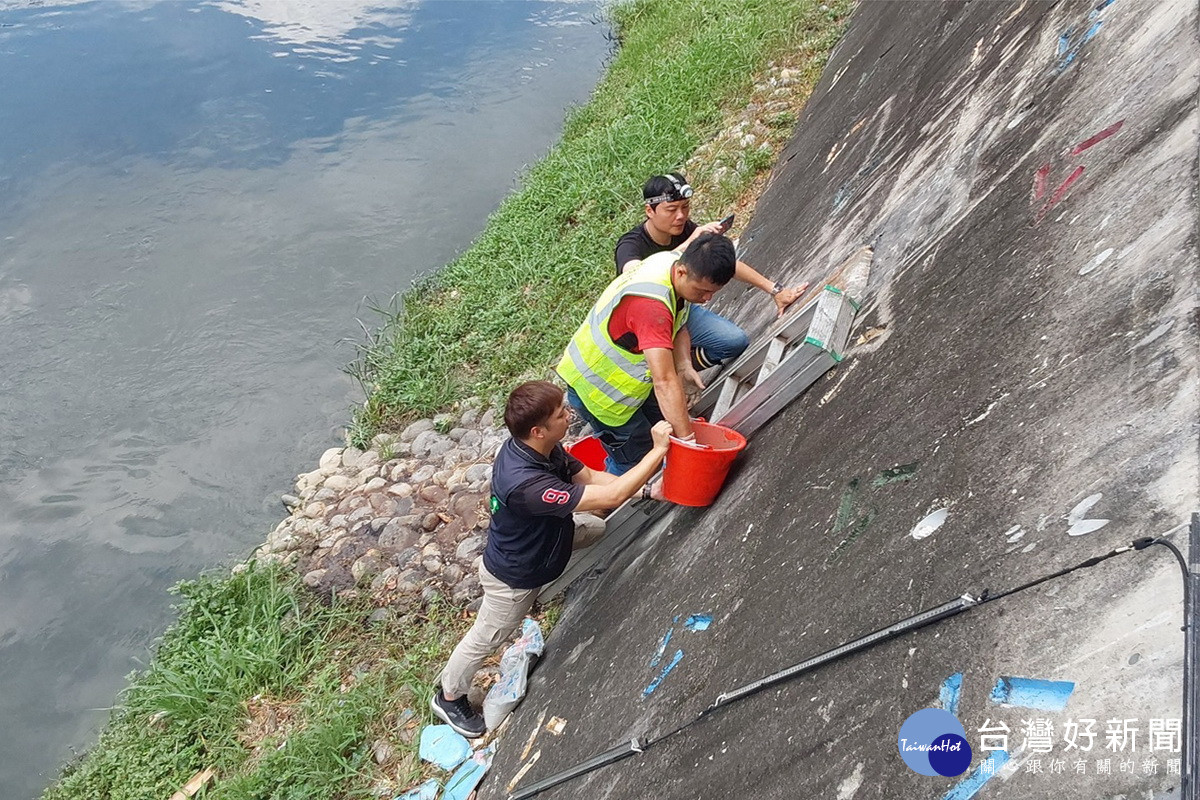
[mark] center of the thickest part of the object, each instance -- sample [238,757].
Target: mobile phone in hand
[727,223]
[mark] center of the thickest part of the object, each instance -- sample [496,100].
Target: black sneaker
[458,714]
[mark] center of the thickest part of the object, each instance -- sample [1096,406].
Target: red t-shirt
[639,323]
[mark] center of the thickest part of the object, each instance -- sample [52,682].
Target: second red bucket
[695,472]
[590,451]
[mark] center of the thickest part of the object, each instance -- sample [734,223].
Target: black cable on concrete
[927,617]
[1191,588]
[1091,562]
[924,618]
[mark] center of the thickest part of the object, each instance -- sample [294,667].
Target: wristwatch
[776,289]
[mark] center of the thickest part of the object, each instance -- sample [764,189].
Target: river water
[195,199]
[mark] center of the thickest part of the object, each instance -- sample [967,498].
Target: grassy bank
[502,312]
[283,697]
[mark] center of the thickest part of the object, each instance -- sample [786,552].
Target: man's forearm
[668,388]
[624,486]
[748,274]
[672,402]
[619,488]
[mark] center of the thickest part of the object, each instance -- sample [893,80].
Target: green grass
[501,312]
[254,642]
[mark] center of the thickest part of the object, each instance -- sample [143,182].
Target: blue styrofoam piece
[426,791]
[468,776]
[1032,693]
[442,746]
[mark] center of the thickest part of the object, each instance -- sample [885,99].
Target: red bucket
[695,473]
[590,452]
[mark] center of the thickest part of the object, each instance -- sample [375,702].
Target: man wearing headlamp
[715,339]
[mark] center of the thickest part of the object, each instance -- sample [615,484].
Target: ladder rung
[729,388]
[775,351]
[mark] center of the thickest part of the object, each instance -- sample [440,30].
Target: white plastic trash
[514,674]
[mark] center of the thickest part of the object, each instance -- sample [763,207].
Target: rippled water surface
[195,197]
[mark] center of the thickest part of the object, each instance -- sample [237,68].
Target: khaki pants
[501,614]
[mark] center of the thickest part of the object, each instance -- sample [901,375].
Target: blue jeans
[715,340]
[626,444]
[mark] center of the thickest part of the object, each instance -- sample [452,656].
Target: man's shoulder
[635,243]
[511,466]
[636,233]
[660,260]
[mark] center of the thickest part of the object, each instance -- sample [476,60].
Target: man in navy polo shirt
[537,487]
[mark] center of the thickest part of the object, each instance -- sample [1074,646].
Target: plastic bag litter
[514,673]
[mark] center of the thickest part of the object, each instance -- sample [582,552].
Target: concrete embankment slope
[1026,174]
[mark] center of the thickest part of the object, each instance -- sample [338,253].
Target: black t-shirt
[531,533]
[638,244]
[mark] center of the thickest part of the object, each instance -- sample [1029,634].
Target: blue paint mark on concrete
[662,676]
[1068,48]
[698,622]
[842,197]
[1064,42]
[662,648]
[1032,693]
[951,688]
[969,786]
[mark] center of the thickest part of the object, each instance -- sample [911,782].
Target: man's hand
[661,434]
[708,227]
[787,296]
[690,378]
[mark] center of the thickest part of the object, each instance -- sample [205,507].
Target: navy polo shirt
[531,533]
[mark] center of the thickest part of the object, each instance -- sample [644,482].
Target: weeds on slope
[282,696]
[501,312]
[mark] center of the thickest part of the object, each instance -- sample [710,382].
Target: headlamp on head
[681,191]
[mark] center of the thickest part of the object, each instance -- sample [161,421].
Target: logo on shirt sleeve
[555,497]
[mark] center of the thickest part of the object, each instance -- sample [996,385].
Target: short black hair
[662,185]
[711,257]
[531,404]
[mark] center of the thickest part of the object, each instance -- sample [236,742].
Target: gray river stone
[350,457]
[416,429]
[423,473]
[469,548]
[477,473]
[367,565]
[338,483]
[396,535]
[331,458]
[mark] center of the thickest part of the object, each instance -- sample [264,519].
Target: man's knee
[721,352]
[589,529]
[731,343]
[738,342]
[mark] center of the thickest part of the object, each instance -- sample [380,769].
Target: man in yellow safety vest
[626,365]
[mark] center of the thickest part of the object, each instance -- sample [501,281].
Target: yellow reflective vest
[610,380]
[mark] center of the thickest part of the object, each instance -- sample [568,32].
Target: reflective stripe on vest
[610,380]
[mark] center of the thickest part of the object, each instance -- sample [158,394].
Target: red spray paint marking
[1099,137]
[1039,181]
[1043,172]
[1058,193]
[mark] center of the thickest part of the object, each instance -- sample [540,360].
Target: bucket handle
[693,445]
